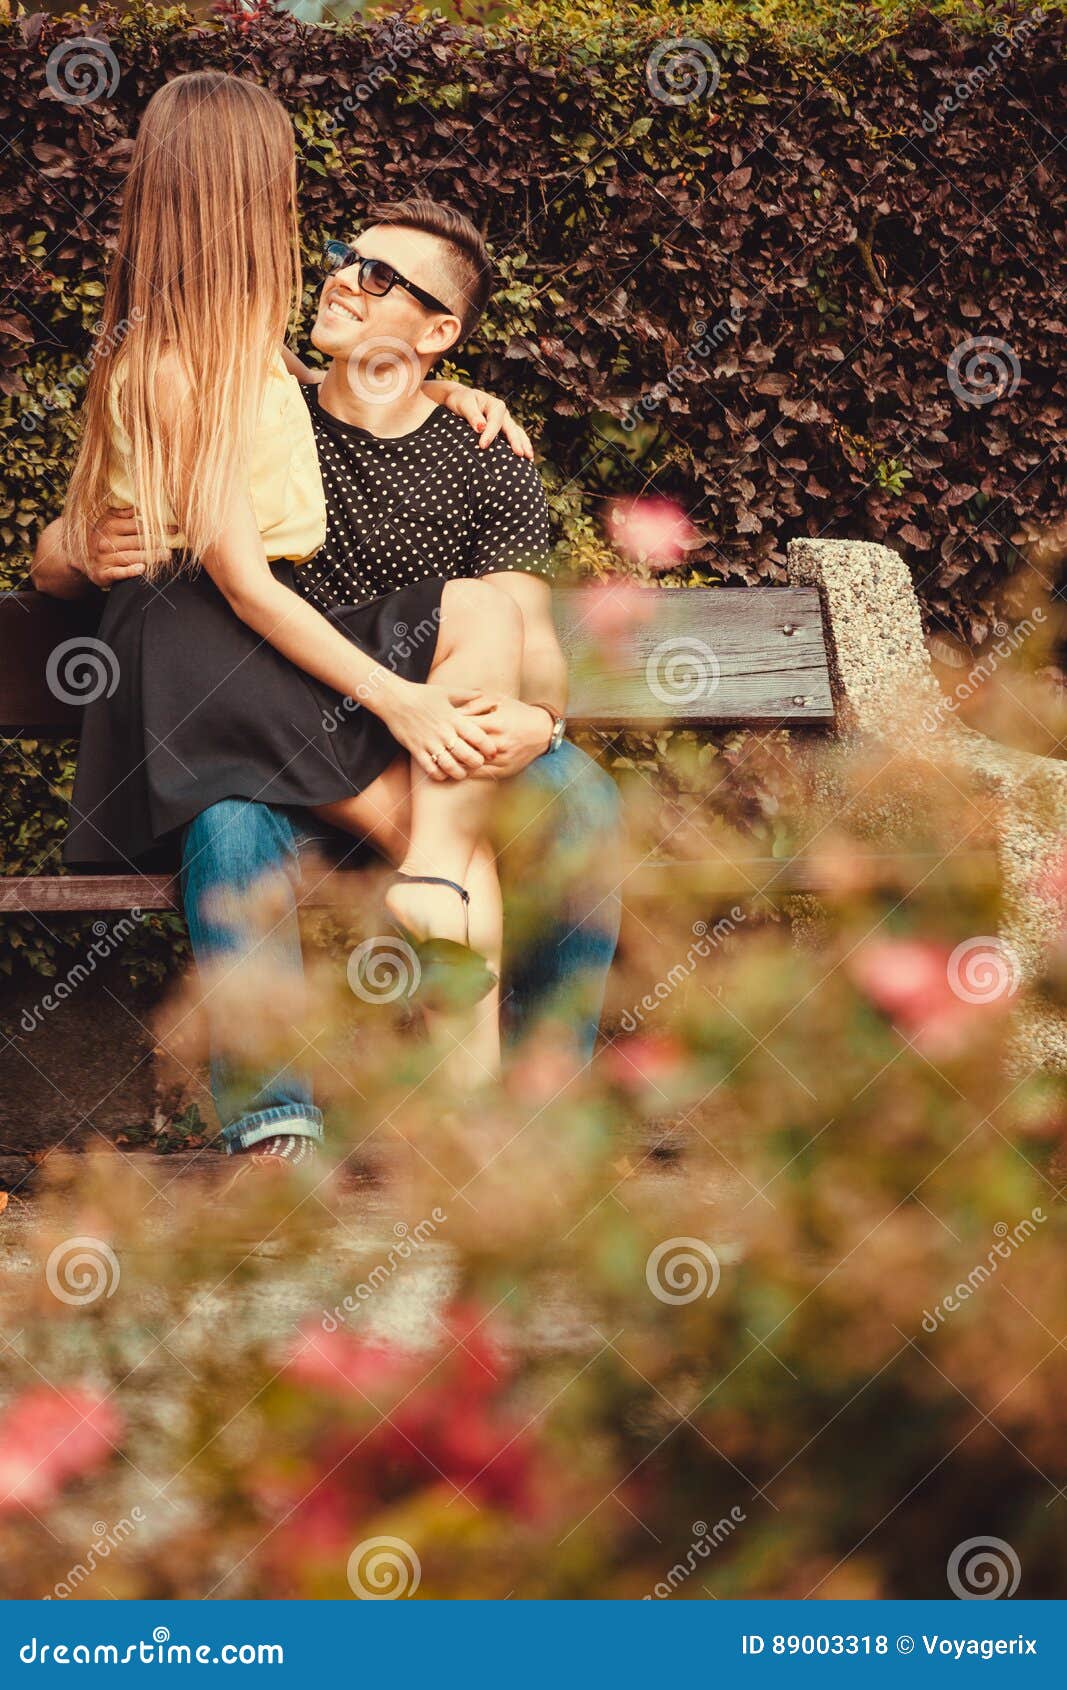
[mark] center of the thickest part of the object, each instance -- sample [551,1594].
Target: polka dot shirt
[431,503]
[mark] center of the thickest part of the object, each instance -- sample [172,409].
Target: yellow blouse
[286,485]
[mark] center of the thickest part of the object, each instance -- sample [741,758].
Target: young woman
[223,680]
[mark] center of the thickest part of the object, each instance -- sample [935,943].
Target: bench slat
[693,655]
[75,893]
[749,877]
[699,656]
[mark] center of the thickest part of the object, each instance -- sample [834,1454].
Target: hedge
[759,301]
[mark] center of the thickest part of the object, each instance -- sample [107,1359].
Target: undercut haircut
[466,258]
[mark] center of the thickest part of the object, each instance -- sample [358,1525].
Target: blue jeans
[235,843]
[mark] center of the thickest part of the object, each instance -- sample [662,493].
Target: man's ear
[439,338]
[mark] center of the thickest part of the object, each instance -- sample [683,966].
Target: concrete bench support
[886,692]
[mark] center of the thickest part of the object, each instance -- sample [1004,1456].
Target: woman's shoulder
[283,394]
[170,387]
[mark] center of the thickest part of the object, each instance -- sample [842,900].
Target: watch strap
[559,724]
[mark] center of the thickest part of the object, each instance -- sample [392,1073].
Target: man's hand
[520,733]
[116,552]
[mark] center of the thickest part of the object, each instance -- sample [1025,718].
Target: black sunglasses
[375,275]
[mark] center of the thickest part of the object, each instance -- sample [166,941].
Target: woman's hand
[447,733]
[485,414]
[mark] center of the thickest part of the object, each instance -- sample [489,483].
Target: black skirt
[194,707]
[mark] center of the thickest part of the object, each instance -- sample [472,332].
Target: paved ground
[359,1226]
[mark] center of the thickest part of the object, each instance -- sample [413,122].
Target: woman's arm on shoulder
[485,414]
[303,372]
[52,570]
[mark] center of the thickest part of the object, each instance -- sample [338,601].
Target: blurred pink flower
[933,994]
[544,1067]
[338,1362]
[442,1420]
[654,531]
[49,1436]
[611,608]
[649,1060]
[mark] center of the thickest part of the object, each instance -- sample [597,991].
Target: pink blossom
[444,1421]
[933,994]
[48,1436]
[611,609]
[655,531]
[340,1363]
[649,1060]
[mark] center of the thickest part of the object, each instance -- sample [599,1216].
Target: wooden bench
[839,649]
[692,656]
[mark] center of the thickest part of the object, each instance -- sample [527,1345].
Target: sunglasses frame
[348,255]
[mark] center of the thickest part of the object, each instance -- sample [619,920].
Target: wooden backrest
[693,655]
[32,629]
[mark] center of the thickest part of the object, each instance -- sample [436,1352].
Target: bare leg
[480,645]
[381,815]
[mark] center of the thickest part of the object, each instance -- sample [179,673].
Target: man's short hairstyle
[467,262]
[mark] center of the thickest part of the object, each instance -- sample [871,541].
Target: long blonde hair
[206,271]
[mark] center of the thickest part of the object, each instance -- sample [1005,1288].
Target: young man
[411,491]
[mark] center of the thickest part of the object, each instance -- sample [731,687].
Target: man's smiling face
[351,323]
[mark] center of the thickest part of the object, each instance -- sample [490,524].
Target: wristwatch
[559,727]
